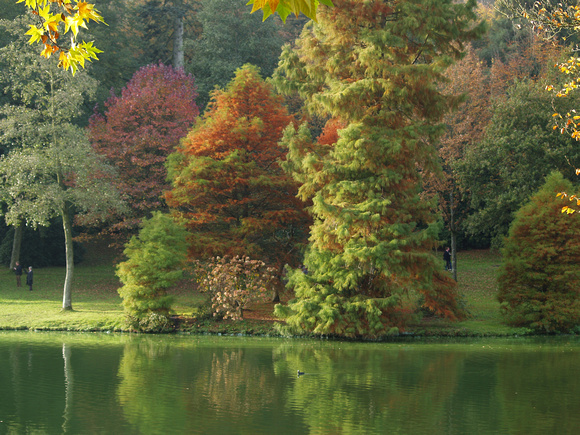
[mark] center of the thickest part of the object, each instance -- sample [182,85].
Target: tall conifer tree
[227,182]
[375,65]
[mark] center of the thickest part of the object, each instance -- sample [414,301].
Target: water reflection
[54,383]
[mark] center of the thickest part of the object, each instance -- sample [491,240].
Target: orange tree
[227,184]
[539,280]
[465,127]
[375,66]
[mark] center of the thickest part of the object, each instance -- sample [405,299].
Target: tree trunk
[68,388]
[453,237]
[68,241]
[278,285]
[16,244]
[276,295]
[178,42]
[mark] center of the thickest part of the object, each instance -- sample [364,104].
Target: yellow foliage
[69,17]
[285,7]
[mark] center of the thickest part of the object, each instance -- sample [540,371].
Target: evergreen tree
[539,282]
[155,260]
[375,65]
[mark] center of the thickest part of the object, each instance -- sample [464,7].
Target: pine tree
[540,277]
[375,66]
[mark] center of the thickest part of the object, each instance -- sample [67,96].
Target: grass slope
[97,305]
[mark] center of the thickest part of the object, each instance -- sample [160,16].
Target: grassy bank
[97,306]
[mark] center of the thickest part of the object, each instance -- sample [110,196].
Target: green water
[53,383]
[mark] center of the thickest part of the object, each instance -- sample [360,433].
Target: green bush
[539,282]
[155,263]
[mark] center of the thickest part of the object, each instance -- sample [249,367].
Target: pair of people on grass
[18,272]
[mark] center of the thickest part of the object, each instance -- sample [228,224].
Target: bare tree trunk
[453,237]
[68,388]
[68,241]
[276,295]
[178,42]
[16,244]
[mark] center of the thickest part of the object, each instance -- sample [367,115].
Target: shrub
[539,282]
[233,283]
[155,262]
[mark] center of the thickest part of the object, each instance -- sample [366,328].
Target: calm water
[53,383]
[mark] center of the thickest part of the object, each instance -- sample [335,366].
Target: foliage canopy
[375,66]
[139,129]
[540,275]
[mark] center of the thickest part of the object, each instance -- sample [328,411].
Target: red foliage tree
[140,129]
[227,182]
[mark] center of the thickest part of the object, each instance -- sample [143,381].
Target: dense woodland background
[499,146]
[186,110]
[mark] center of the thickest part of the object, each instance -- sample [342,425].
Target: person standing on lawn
[18,272]
[447,259]
[29,278]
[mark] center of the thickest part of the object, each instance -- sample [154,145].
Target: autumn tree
[233,283]
[49,169]
[540,276]
[464,128]
[227,183]
[139,129]
[375,66]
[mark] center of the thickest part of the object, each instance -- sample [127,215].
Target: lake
[53,383]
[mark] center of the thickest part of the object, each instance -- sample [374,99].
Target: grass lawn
[97,305]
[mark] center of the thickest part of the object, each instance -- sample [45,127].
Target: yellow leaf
[35,34]
[46,52]
[87,12]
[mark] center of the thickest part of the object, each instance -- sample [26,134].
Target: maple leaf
[285,7]
[35,34]
[87,11]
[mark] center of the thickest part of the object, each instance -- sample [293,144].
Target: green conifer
[375,66]
[155,263]
[539,282]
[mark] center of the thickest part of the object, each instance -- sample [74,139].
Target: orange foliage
[227,182]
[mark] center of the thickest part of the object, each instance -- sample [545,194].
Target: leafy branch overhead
[555,19]
[286,7]
[56,18]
